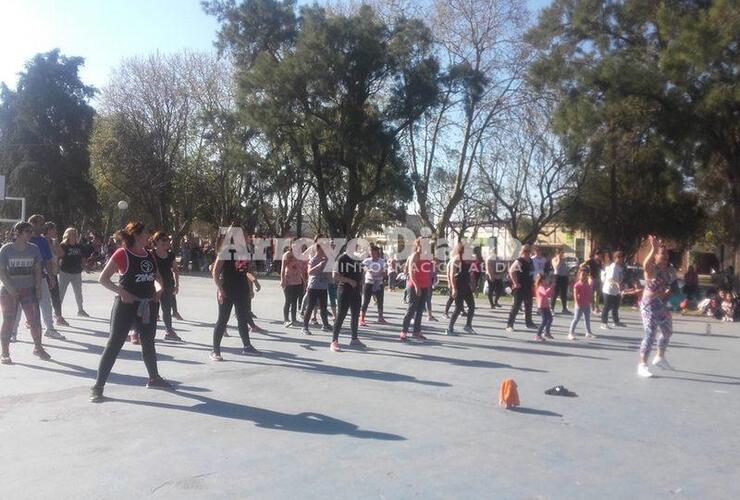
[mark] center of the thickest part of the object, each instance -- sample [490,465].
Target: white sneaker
[571,336]
[590,336]
[605,326]
[662,363]
[509,329]
[643,371]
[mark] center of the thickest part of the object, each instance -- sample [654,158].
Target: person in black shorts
[348,276]
[170,277]
[230,275]
[136,305]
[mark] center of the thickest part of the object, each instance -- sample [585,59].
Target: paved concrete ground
[397,421]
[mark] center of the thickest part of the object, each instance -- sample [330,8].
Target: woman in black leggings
[230,274]
[136,305]
[461,289]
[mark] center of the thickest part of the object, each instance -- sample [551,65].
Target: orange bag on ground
[508,395]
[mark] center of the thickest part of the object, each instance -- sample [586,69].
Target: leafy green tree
[336,92]
[649,90]
[45,126]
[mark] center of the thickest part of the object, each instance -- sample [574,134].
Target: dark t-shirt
[594,269]
[165,269]
[350,268]
[234,274]
[72,258]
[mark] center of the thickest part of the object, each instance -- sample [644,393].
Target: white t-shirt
[374,270]
[613,277]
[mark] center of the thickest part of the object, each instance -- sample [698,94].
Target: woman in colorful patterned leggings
[654,308]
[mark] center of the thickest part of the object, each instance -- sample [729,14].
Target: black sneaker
[96,394]
[41,353]
[158,383]
[13,338]
[249,350]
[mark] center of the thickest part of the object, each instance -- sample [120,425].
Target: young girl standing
[544,297]
[583,294]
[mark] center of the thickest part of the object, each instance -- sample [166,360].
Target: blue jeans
[577,313]
[546,315]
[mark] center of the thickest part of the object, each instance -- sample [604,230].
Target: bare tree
[528,178]
[481,42]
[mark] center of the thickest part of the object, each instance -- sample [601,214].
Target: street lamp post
[122,206]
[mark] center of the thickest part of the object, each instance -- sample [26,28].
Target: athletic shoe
[531,325]
[538,338]
[41,353]
[362,321]
[549,336]
[288,324]
[53,334]
[135,339]
[566,311]
[382,321]
[605,326]
[509,329]
[620,324]
[590,336]
[96,394]
[82,314]
[13,338]
[571,336]
[404,336]
[314,321]
[643,371]
[296,324]
[158,383]
[431,318]
[177,316]
[306,331]
[468,329]
[662,363]
[450,332]
[171,335]
[61,321]
[215,356]
[249,350]
[327,328]
[256,329]
[419,336]
[334,346]
[357,344]
[5,360]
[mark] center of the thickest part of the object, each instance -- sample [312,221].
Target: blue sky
[104,31]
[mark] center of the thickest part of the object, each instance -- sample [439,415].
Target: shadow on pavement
[533,411]
[307,422]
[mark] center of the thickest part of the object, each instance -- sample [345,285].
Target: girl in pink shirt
[582,293]
[544,298]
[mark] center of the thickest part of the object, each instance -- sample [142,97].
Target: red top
[421,273]
[582,293]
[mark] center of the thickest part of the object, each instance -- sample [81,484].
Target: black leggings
[368,292]
[316,296]
[174,304]
[240,302]
[449,303]
[415,309]
[167,300]
[292,296]
[56,301]
[349,299]
[521,295]
[611,303]
[495,291]
[463,297]
[561,290]
[122,318]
